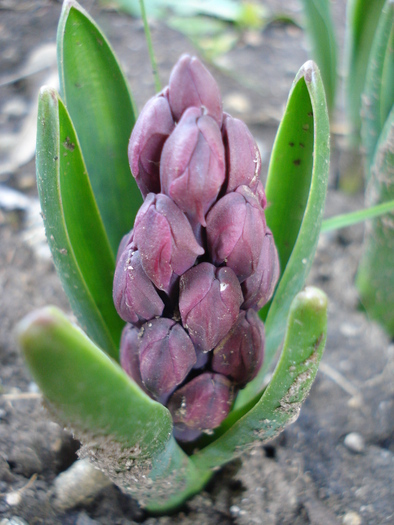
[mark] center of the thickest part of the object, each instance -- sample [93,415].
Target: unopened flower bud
[235,231]
[259,287]
[151,130]
[242,154]
[166,356]
[239,355]
[191,84]
[129,353]
[260,194]
[135,297]
[124,243]
[209,302]
[192,167]
[202,403]
[165,240]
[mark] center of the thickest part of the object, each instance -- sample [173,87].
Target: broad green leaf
[296,192]
[378,96]
[293,377]
[375,278]
[124,432]
[362,19]
[320,30]
[97,97]
[75,233]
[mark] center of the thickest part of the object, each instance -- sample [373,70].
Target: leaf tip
[313,298]
[308,70]
[35,324]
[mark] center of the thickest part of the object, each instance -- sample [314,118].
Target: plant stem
[150,47]
[348,219]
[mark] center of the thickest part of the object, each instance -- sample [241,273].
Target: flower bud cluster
[200,260]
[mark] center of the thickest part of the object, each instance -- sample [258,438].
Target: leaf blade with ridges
[98,99]
[78,242]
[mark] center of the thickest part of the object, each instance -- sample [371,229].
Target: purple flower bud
[135,297]
[242,154]
[202,403]
[129,353]
[151,130]
[165,240]
[209,302]
[235,231]
[166,356]
[124,243]
[259,287]
[191,84]
[192,167]
[260,194]
[239,355]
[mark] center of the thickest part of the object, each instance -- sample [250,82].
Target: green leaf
[320,30]
[87,389]
[362,20]
[123,431]
[348,219]
[375,277]
[296,191]
[75,233]
[97,97]
[293,377]
[378,96]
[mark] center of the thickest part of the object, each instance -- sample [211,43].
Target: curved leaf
[320,29]
[97,97]
[124,432]
[75,233]
[296,191]
[362,19]
[280,404]
[378,96]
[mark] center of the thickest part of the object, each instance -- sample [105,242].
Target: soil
[335,464]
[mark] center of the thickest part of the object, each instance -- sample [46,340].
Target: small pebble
[83,519]
[351,518]
[14,520]
[13,498]
[78,485]
[355,442]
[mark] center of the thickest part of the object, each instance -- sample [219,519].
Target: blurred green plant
[369,105]
[214,28]
[375,277]
[319,27]
[89,200]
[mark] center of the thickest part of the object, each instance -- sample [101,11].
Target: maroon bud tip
[166,356]
[129,353]
[242,154]
[259,287]
[191,84]
[151,130]
[209,303]
[202,403]
[192,167]
[165,240]
[239,355]
[135,297]
[235,231]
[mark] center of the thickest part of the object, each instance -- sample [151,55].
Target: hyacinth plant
[186,275]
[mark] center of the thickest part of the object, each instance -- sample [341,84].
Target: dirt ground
[335,465]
